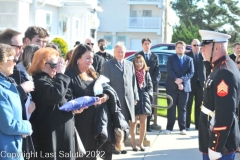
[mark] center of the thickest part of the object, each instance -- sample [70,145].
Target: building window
[48,21]
[109,41]
[147,13]
[121,39]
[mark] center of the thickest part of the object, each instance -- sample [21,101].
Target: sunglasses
[196,45]
[18,47]
[90,44]
[52,65]
[14,60]
[238,62]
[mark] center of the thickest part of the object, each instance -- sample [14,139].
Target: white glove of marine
[213,155]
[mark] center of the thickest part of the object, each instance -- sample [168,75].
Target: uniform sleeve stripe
[220,128]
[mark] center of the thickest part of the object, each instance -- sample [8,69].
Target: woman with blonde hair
[12,127]
[54,129]
[143,106]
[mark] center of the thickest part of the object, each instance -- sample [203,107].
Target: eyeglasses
[238,62]
[14,60]
[90,44]
[196,45]
[52,65]
[18,47]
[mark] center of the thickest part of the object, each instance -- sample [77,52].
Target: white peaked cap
[215,36]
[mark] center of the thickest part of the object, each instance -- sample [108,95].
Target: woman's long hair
[27,56]
[77,53]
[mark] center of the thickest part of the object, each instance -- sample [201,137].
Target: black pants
[180,99]
[197,93]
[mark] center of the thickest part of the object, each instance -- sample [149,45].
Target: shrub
[63,46]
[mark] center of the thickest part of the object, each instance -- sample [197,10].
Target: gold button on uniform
[214,141]
[212,147]
[215,135]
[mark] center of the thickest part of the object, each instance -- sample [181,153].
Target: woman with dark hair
[143,106]
[26,61]
[83,78]
[12,126]
[54,129]
[69,55]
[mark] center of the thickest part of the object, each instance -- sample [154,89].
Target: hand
[104,98]
[180,86]
[213,155]
[98,102]
[178,80]
[25,135]
[31,107]
[28,86]
[61,66]
[78,111]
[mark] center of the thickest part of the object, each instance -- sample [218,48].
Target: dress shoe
[187,129]
[167,132]
[135,149]
[149,130]
[183,132]
[114,151]
[123,152]
[142,149]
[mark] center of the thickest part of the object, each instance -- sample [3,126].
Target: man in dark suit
[123,80]
[236,50]
[152,62]
[197,83]
[180,70]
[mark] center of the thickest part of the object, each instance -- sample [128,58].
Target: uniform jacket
[12,127]
[153,64]
[232,56]
[199,70]
[175,71]
[123,81]
[145,93]
[221,94]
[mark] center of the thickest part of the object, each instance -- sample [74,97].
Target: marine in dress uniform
[218,122]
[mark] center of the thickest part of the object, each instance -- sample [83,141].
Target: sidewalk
[167,147]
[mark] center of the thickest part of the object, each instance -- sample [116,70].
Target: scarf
[140,76]
[9,79]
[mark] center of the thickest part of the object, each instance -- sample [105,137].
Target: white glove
[213,155]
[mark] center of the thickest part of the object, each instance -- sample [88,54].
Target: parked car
[162,58]
[160,47]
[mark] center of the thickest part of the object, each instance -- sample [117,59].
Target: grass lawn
[163,112]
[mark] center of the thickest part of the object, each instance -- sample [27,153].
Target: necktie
[146,57]
[120,64]
[181,61]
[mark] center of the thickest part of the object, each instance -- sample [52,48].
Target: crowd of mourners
[35,81]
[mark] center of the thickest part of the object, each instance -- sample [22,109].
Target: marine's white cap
[213,36]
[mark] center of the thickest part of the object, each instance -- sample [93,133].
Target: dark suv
[162,58]
[160,47]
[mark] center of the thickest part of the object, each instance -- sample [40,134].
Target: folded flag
[78,103]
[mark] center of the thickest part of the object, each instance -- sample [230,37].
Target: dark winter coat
[145,93]
[109,116]
[54,129]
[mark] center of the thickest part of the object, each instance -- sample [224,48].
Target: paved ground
[168,147]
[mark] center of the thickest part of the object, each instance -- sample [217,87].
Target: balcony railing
[159,3]
[144,22]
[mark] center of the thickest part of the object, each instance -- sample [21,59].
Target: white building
[68,19]
[129,21]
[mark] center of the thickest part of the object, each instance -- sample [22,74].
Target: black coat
[97,63]
[145,93]
[108,117]
[106,56]
[54,129]
[221,94]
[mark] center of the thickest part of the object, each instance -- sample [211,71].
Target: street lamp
[94,23]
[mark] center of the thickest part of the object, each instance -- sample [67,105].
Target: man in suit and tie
[236,50]
[123,80]
[152,62]
[180,70]
[197,83]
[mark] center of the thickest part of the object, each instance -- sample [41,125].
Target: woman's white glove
[213,155]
